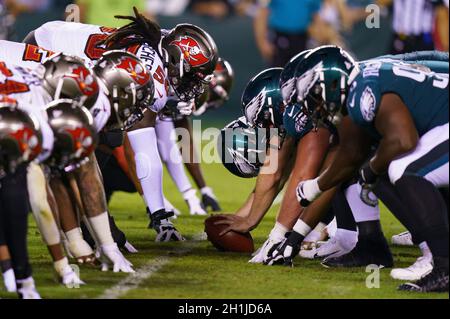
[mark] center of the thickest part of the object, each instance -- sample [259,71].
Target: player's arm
[442,22]
[266,189]
[353,149]
[261,30]
[399,134]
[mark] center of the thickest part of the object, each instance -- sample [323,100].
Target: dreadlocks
[138,31]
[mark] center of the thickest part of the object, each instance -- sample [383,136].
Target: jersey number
[439,82]
[35,54]
[94,52]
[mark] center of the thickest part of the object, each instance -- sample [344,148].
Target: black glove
[208,201]
[286,251]
[367,179]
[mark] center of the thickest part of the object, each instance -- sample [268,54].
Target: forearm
[442,17]
[244,211]
[267,188]
[260,26]
[388,150]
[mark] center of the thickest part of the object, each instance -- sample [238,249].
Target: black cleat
[436,281]
[366,252]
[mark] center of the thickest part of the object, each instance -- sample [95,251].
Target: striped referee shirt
[414,17]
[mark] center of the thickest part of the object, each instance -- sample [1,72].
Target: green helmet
[242,149]
[288,77]
[322,82]
[262,103]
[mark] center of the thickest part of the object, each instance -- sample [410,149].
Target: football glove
[166,231]
[195,206]
[186,108]
[110,255]
[209,199]
[276,236]
[284,253]
[308,191]
[367,179]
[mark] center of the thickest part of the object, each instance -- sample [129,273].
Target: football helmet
[288,78]
[190,55]
[67,77]
[74,130]
[128,85]
[217,92]
[262,103]
[20,136]
[322,83]
[242,149]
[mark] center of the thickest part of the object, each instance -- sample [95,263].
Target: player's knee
[143,166]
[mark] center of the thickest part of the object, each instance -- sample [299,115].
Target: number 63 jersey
[84,41]
[424,92]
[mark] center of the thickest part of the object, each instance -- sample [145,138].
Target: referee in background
[418,24]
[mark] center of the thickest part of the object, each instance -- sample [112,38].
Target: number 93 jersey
[424,92]
[84,41]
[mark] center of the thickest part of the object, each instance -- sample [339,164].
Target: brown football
[231,241]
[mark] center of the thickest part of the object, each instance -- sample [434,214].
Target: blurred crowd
[282,28]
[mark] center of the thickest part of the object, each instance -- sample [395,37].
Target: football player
[388,103]
[20,142]
[181,59]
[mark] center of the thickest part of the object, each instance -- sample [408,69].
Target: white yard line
[134,280]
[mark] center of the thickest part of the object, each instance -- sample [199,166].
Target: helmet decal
[85,80]
[28,142]
[306,81]
[288,89]
[254,107]
[136,70]
[191,51]
[83,141]
[242,164]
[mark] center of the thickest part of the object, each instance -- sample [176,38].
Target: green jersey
[424,92]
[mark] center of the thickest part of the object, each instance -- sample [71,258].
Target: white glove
[276,236]
[195,206]
[69,278]
[186,108]
[308,191]
[110,255]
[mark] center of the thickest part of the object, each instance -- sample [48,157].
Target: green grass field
[194,269]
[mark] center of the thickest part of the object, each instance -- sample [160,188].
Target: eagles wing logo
[191,51]
[84,79]
[254,107]
[135,69]
[307,80]
[243,165]
[287,89]
[368,104]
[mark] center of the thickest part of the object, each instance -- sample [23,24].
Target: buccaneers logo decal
[83,142]
[191,51]
[28,143]
[136,70]
[84,79]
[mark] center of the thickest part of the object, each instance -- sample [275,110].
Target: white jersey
[25,87]
[31,56]
[83,40]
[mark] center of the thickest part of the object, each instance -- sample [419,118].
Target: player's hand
[368,180]
[111,256]
[186,108]
[308,191]
[209,199]
[167,232]
[236,223]
[285,252]
[195,206]
[265,250]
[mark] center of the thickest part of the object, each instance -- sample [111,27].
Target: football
[231,241]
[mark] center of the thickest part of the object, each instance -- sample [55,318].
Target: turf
[202,272]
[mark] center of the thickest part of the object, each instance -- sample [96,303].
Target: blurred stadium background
[232,24]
